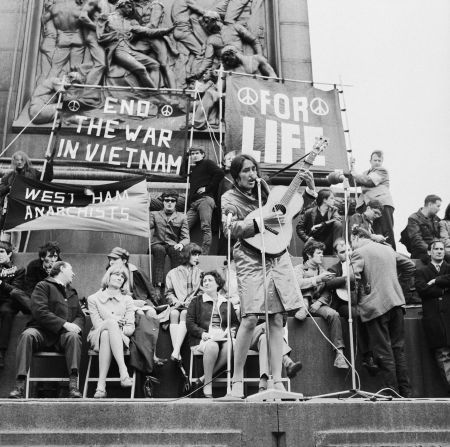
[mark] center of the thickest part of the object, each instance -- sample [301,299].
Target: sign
[120,207]
[277,123]
[129,132]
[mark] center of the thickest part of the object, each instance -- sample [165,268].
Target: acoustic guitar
[286,201]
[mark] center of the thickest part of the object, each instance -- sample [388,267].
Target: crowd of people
[128,309]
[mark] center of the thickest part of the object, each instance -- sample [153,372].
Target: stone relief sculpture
[142,43]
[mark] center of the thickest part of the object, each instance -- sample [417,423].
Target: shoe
[74,392]
[19,391]
[293,369]
[100,394]
[126,382]
[371,366]
[2,359]
[262,384]
[237,389]
[301,314]
[339,361]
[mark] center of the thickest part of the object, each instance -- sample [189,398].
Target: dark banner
[120,207]
[147,134]
[277,123]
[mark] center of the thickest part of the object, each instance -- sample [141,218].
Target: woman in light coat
[112,315]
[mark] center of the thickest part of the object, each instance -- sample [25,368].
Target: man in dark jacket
[39,269]
[13,297]
[422,228]
[433,286]
[322,222]
[204,179]
[57,323]
[381,301]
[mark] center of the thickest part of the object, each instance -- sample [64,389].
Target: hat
[118,252]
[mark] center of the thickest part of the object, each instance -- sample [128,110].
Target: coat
[198,317]
[170,229]
[52,305]
[435,303]
[375,186]
[375,269]
[102,308]
[12,286]
[419,232]
[307,220]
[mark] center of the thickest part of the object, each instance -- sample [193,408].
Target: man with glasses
[366,220]
[169,234]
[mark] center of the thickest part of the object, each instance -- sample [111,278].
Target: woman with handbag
[207,327]
[112,315]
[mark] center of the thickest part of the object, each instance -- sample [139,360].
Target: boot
[74,392]
[19,390]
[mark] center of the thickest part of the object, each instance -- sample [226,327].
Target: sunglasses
[170,200]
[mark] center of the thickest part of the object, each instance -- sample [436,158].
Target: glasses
[170,200]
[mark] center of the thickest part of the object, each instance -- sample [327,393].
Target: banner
[120,207]
[277,123]
[128,132]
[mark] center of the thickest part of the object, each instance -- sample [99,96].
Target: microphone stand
[229,341]
[271,393]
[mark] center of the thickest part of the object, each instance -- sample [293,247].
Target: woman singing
[283,294]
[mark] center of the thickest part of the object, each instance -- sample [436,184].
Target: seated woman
[112,315]
[206,322]
[182,283]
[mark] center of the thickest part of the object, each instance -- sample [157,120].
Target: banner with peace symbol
[142,132]
[277,123]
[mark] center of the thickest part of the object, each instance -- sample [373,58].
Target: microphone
[333,178]
[230,215]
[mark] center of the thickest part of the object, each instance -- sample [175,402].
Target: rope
[28,124]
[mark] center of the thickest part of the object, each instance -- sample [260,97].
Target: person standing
[283,294]
[381,304]
[204,179]
[433,286]
[375,185]
[422,228]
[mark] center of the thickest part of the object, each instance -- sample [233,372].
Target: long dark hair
[236,168]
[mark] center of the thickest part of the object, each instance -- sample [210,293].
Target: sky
[395,54]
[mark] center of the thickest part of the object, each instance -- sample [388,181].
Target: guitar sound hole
[279,207]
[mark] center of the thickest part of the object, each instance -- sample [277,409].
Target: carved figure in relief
[117,33]
[48,41]
[69,38]
[153,39]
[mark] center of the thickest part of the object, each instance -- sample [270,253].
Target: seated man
[204,179]
[433,286]
[39,269]
[321,222]
[169,234]
[312,279]
[422,228]
[367,218]
[182,284]
[259,343]
[12,296]
[57,323]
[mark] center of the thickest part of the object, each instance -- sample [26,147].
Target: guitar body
[276,237]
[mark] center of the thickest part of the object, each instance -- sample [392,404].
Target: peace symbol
[247,96]
[73,106]
[166,110]
[319,107]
